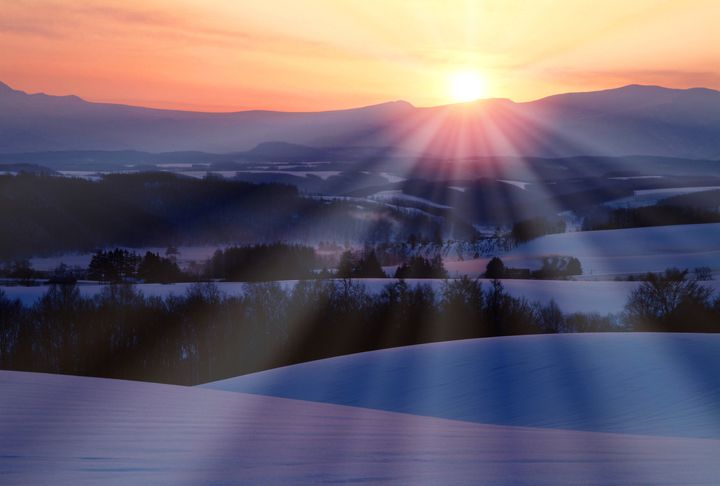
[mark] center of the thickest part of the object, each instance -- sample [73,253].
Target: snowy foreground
[74,430]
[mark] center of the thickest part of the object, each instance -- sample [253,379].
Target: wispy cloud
[95,19]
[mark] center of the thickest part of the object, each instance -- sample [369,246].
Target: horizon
[357,107]
[325,55]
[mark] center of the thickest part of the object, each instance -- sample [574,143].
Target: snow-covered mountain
[647,120]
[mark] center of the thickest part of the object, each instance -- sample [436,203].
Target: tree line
[656,215]
[53,214]
[204,335]
[121,265]
[553,267]
[258,263]
[254,263]
[529,229]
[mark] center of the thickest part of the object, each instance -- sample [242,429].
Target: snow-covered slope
[65,430]
[650,197]
[628,250]
[644,383]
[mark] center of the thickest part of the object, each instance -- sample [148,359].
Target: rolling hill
[78,430]
[630,383]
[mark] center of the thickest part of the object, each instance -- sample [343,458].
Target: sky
[311,55]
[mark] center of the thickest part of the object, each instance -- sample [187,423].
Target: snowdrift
[633,250]
[66,430]
[639,383]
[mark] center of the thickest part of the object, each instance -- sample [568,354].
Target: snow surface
[322,174]
[392,195]
[75,430]
[91,175]
[519,184]
[392,178]
[636,383]
[458,188]
[630,178]
[201,174]
[181,165]
[634,250]
[650,197]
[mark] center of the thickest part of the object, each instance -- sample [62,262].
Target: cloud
[54,20]
[26,27]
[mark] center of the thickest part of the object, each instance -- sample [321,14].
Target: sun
[467,86]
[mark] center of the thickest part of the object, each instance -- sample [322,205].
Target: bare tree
[657,302]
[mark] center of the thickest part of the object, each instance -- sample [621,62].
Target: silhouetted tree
[669,301]
[462,309]
[113,266]
[550,318]
[529,229]
[20,270]
[346,265]
[419,267]
[11,323]
[558,267]
[703,273]
[495,268]
[257,263]
[154,268]
[573,267]
[368,266]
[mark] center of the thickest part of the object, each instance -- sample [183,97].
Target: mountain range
[631,120]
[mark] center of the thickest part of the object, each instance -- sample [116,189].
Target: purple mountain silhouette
[648,120]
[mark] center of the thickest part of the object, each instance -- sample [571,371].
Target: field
[649,197]
[656,393]
[610,253]
[630,383]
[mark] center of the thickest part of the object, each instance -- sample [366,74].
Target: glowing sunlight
[468,86]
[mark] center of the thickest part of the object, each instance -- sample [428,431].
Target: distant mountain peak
[399,105]
[396,103]
[652,89]
[662,88]
[7,89]
[4,88]
[637,86]
[632,119]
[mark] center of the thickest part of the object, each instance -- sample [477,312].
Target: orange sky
[221,55]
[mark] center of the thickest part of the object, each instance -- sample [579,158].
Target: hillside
[632,250]
[77,430]
[653,384]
